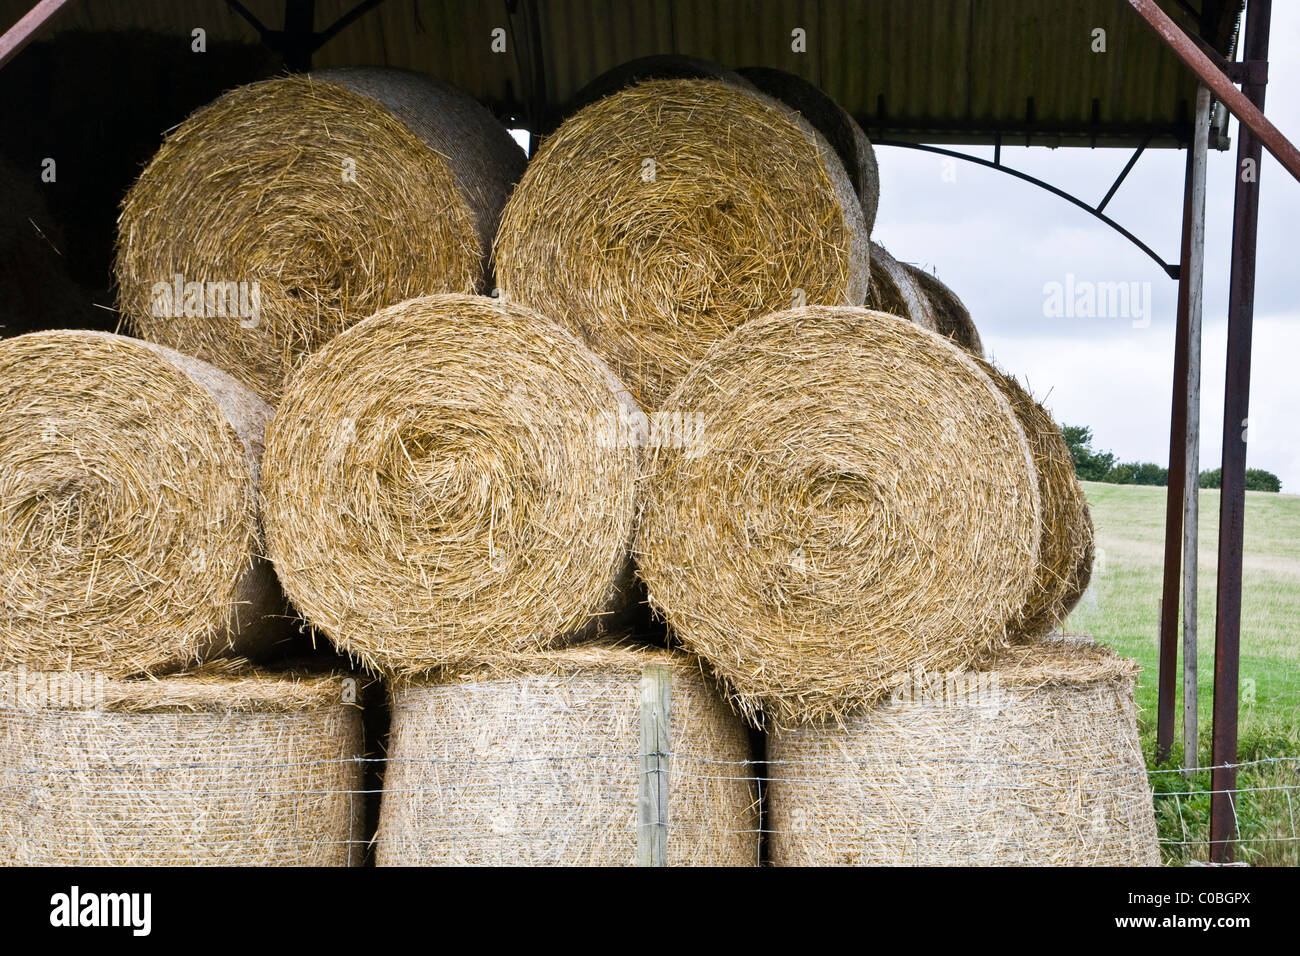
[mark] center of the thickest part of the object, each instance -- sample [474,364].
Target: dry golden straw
[1065,545]
[659,218]
[539,763]
[1033,760]
[839,128]
[337,193]
[129,535]
[450,480]
[951,318]
[233,767]
[893,290]
[862,500]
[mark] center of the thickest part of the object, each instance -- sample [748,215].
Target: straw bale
[537,762]
[951,318]
[1031,760]
[893,290]
[337,193]
[452,479]
[861,500]
[1065,545]
[129,531]
[659,218]
[227,767]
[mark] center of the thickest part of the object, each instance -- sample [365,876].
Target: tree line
[1092,465]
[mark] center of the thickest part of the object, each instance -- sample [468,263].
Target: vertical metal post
[656,748]
[1236,410]
[1191,275]
[1166,679]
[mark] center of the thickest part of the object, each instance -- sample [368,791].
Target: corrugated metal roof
[956,71]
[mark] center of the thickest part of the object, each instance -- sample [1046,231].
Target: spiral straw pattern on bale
[337,194]
[539,762]
[745,210]
[1065,544]
[950,317]
[1032,760]
[861,500]
[449,480]
[129,535]
[230,769]
[839,128]
[893,290]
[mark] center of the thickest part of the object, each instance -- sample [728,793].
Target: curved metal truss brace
[1171,269]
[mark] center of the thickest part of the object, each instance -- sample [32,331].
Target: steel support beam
[1166,674]
[22,32]
[1238,102]
[1236,411]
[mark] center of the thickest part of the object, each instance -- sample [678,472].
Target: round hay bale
[449,480]
[327,197]
[129,536]
[660,66]
[950,317]
[893,290]
[861,500]
[540,763]
[661,217]
[1032,760]
[1065,543]
[232,768]
[841,130]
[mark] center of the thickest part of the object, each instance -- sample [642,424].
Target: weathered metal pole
[22,32]
[1167,668]
[1236,411]
[1191,275]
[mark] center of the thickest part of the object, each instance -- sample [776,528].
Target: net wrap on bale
[893,290]
[1032,759]
[659,218]
[539,762]
[951,318]
[318,199]
[861,500]
[453,479]
[229,767]
[129,529]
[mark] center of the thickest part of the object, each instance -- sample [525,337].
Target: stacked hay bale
[129,531]
[658,219]
[1065,541]
[893,290]
[950,317]
[452,480]
[1032,759]
[863,502]
[332,195]
[218,767]
[536,761]
[840,129]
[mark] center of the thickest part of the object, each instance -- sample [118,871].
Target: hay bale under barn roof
[659,218]
[893,290]
[336,194]
[841,130]
[1031,759]
[451,480]
[129,533]
[861,500]
[537,761]
[1065,547]
[230,766]
[951,318]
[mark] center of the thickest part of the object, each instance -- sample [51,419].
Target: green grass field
[1121,609]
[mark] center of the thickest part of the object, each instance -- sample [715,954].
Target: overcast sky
[998,242]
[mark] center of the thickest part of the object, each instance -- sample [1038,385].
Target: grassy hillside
[1121,608]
